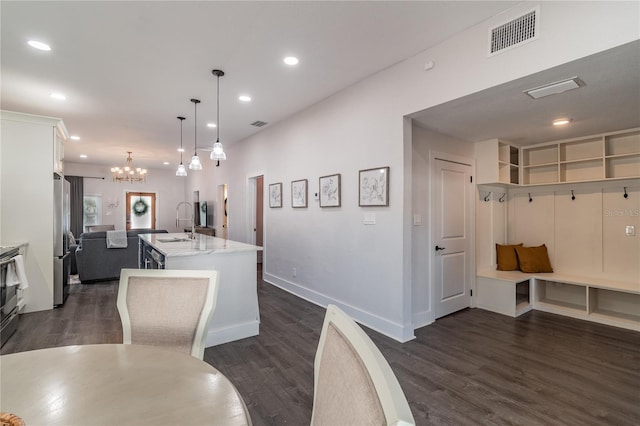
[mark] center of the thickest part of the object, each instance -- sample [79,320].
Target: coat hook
[573,197]
[501,199]
[487,197]
[625,193]
[530,199]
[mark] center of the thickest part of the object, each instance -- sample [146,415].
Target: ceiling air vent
[514,33]
[259,123]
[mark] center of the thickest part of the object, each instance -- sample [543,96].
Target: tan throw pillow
[534,259]
[506,257]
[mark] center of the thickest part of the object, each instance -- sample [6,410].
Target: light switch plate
[417,220]
[630,230]
[369,218]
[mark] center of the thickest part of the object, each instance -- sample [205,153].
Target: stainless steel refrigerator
[61,254]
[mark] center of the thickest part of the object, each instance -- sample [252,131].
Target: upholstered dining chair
[167,308]
[353,383]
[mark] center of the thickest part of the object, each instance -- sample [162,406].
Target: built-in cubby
[613,155]
[498,162]
[567,296]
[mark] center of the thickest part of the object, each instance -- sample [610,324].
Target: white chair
[354,384]
[167,308]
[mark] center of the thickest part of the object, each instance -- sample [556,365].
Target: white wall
[367,270]
[169,189]
[426,142]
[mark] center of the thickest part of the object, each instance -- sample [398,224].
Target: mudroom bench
[513,293]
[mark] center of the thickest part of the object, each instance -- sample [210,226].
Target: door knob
[438,248]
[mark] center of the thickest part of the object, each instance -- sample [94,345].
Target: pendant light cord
[195,127]
[181,149]
[218,112]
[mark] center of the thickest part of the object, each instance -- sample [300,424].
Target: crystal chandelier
[129,173]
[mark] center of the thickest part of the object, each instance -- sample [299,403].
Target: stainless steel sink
[172,240]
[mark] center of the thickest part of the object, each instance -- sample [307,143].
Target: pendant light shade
[218,151]
[195,160]
[181,170]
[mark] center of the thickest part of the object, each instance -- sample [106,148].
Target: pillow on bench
[506,257]
[533,259]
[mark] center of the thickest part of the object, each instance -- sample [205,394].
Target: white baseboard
[230,334]
[422,319]
[381,325]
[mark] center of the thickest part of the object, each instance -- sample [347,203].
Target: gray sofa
[96,262]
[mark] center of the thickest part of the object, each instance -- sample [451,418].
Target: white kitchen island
[236,315]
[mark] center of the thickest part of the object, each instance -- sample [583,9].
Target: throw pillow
[506,257]
[72,240]
[534,259]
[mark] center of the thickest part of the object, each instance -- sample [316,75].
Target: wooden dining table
[115,384]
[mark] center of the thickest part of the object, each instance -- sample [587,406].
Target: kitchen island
[236,315]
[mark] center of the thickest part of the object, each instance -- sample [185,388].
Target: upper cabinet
[614,155]
[497,162]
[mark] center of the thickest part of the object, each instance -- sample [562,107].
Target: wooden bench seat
[599,299]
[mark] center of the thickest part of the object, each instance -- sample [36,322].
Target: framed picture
[373,188]
[299,193]
[330,191]
[275,195]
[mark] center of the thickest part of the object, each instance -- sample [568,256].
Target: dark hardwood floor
[473,367]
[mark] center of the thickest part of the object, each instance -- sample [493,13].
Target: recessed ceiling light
[211,124]
[39,45]
[166,163]
[58,96]
[74,137]
[244,98]
[83,155]
[291,60]
[562,121]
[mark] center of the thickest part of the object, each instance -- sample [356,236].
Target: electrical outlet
[630,230]
[293,272]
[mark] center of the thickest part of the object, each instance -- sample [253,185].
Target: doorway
[141,210]
[222,210]
[256,211]
[451,231]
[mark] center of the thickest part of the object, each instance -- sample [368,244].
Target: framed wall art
[330,191]
[299,192]
[373,187]
[275,194]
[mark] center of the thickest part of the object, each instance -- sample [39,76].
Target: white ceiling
[129,68]
[609,100]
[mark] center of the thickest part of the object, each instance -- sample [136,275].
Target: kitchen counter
[236,315]
[178,244]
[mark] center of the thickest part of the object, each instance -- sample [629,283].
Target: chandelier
[128,173]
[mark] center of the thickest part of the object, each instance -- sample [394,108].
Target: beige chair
[354,384]
[168,308]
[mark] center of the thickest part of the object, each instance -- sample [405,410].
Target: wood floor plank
[470,368]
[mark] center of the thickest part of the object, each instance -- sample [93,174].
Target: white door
[451,233]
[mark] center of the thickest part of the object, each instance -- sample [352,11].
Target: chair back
[353,383]
[167,308]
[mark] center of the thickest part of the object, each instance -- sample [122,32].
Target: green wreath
[140,208]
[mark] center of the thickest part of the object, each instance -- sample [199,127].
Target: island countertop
[179,244]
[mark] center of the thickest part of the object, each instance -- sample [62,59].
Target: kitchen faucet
[192,219]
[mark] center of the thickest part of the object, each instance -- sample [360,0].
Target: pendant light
[218,152]
[181,170]
[195,160]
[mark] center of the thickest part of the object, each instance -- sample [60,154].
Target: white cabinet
[497,162]
[614,155]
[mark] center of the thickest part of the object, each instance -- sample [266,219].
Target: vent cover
[259,123]
[514,33]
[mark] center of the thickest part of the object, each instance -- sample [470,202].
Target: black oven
[8,298]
